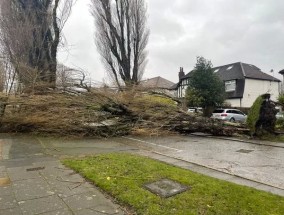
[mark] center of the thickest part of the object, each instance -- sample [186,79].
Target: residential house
[243,83]
[282,87]
[157,84]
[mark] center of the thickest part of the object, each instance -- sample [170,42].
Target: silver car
[232,115]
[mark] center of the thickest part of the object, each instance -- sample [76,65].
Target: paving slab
[11,211]
[2,169]
[21,173]
[98,212]
[86,200]
[8,202]
[16,163]
[42,205]
[59,212]
[66,189]
[6,191]
[32,189]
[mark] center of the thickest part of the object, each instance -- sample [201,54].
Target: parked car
[232,115]
[280,115]
[195,110]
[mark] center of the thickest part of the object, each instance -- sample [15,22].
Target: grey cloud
[224,31]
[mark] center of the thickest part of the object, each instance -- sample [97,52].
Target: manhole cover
[35,169]
[166,188]
[244,151]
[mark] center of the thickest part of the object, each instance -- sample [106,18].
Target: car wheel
[232,120]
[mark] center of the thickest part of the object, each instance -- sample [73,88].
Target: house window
[230,86]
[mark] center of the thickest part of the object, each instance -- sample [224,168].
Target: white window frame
[230,86]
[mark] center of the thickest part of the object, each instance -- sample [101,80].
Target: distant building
[157,84]
[282,88]
[243,83]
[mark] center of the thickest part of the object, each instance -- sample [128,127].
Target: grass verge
[123,176]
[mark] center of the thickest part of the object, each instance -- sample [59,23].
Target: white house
[243,83]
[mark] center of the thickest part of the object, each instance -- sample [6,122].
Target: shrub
[253,115]
[280,123]
[281,99]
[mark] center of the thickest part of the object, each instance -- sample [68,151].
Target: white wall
[255,88]
[234,102]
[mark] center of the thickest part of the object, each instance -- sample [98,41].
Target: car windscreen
[218,111]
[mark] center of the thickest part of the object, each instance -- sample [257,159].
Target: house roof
[281,72]
[236,71]
[157,82]
[242,70]
[239,70]
[174,87]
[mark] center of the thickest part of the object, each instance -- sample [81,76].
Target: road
[259,161]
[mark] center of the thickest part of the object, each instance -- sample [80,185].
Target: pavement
[33,181]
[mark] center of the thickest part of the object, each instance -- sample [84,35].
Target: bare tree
[68,78]
[121,38]
[30,33]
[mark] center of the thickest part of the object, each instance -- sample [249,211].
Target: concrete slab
[8,202]
[32,189]
[16,163]
[6,191]
[11,211]
[108,208]
[59,212]
[21,173]
[89,212]
[97,212]
[41,205]
[86,200]
[166,188]
[66,189]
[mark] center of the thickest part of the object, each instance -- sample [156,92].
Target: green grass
[123,177]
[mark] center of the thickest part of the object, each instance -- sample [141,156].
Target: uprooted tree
[121,38]
[30,36]
[261,118]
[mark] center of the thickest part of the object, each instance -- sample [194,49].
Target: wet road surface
[257,162]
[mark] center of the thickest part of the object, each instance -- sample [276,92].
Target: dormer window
[230,86]
[230,67]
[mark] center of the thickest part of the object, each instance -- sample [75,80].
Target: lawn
[123,175]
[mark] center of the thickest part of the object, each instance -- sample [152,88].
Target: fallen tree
[104,114]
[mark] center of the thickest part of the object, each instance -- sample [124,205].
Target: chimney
[181,73]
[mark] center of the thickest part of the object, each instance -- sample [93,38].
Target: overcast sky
[223,31]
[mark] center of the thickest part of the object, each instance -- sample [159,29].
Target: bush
[281,99]
[280,123]
[253,115]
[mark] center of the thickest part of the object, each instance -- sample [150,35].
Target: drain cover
[35,169]
[244,151]
[166,188]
